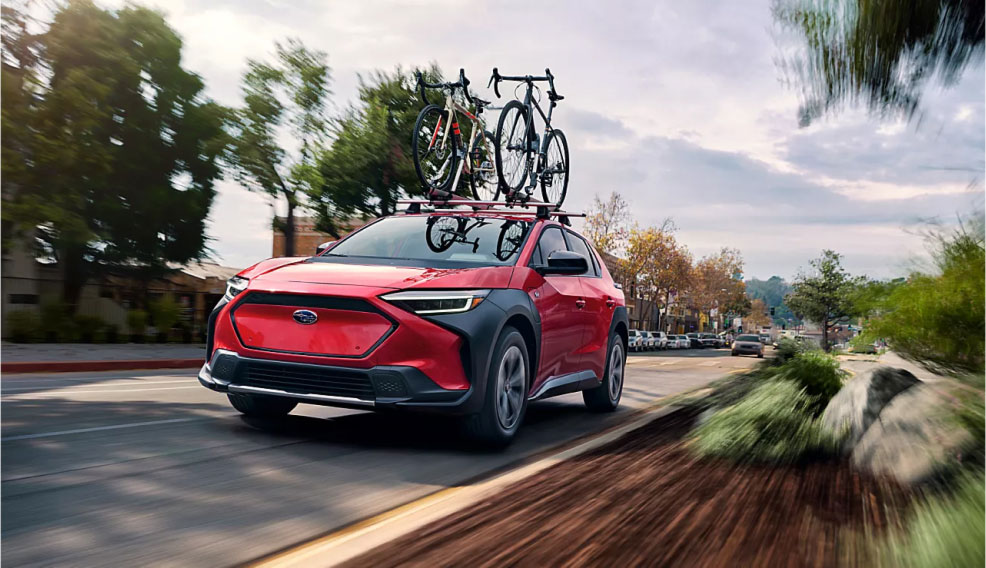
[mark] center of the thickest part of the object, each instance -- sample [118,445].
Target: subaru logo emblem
[305,317]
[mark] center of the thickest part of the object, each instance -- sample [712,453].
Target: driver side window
[550,241]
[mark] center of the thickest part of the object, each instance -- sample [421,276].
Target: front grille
[308,380]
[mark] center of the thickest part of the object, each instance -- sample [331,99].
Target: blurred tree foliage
[825,295]
[758,316]
[607,226]
[279,133]
[937,319]
[369,166]
[109,148]
[880,53]
[656,267]
[772,292]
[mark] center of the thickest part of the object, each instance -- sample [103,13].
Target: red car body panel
[575,315]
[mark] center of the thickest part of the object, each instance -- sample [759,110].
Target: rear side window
[577,244]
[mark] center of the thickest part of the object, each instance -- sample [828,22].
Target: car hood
[379,276]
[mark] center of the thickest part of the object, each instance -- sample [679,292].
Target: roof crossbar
[539,209]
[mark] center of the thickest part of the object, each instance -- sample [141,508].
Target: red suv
[473,314]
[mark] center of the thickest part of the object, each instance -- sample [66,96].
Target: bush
[787,349]
[944,531]
[816,372]
[137,323]
[165,313]
[90,328]
[938,320]
[57,323]
[773,424]
[24,326]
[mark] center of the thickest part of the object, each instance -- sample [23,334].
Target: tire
[503,408]
[485,184]
[554,186]
[435,168]
[511,147]
[734,354]
[759,355]
[606,397]
[261,406]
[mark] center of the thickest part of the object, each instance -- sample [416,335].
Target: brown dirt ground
[645,500]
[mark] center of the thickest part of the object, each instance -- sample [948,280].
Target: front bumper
[379,387]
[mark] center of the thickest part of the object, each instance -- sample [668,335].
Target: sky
[678,106]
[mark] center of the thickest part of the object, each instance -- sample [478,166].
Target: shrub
[944,531]
[91,328]
[24,326]
[816,372]
[137,322]
[787,349]
[773,424]
[57,323]
[165,313]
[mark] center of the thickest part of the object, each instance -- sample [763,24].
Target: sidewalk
[65,357]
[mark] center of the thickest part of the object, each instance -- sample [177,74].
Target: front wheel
[512,147]
[606,397]
[554,177]
[433,149]
[507,384]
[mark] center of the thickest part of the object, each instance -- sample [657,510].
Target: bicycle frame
[451,106]
[531,104]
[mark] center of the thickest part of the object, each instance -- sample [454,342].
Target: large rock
[858,404]
[913,436]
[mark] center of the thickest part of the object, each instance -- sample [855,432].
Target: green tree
[937,318]
[109,149]
[825,295]
[369,165]
[283,101]
[772,292]
[881,53]
[717,284]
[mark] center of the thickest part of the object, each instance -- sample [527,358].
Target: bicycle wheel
[435,158]
[508,243]
[442,232]
[511,147]
[485,186]
[554,178]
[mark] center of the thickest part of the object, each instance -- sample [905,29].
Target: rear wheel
[261,406]
[435,158]
[554,177]
[606,397]
[511,146]
[507,384]
[483,179]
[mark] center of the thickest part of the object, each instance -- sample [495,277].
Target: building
[307,237]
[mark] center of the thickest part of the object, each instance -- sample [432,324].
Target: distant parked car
[708,340]
[662,339]
[635,341]
[682,342]
[695,341]
[868,348]
[651,339]
[747,345]
[765,338]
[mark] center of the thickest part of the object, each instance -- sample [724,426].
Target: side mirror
[323,247]
[564,262]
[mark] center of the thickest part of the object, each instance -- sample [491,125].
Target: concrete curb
[90,366]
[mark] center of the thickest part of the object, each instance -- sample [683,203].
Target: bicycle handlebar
[462,83]
[496,78]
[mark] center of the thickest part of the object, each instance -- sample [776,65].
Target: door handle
[580,303]
[610,303]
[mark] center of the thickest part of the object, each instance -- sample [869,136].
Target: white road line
[708,363]
[107,384]
[63,392]
[98,429]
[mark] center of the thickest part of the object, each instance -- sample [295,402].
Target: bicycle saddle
[480,102]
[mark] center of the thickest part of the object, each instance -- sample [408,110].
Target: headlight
[235,285]
[433,302]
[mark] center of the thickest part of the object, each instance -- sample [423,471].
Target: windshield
[441,241]
[753,338]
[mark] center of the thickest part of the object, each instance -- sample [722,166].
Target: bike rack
[538,209]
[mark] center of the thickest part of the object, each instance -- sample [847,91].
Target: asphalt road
[149,468]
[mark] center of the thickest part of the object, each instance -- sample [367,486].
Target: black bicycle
[524,157]
[440,157]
